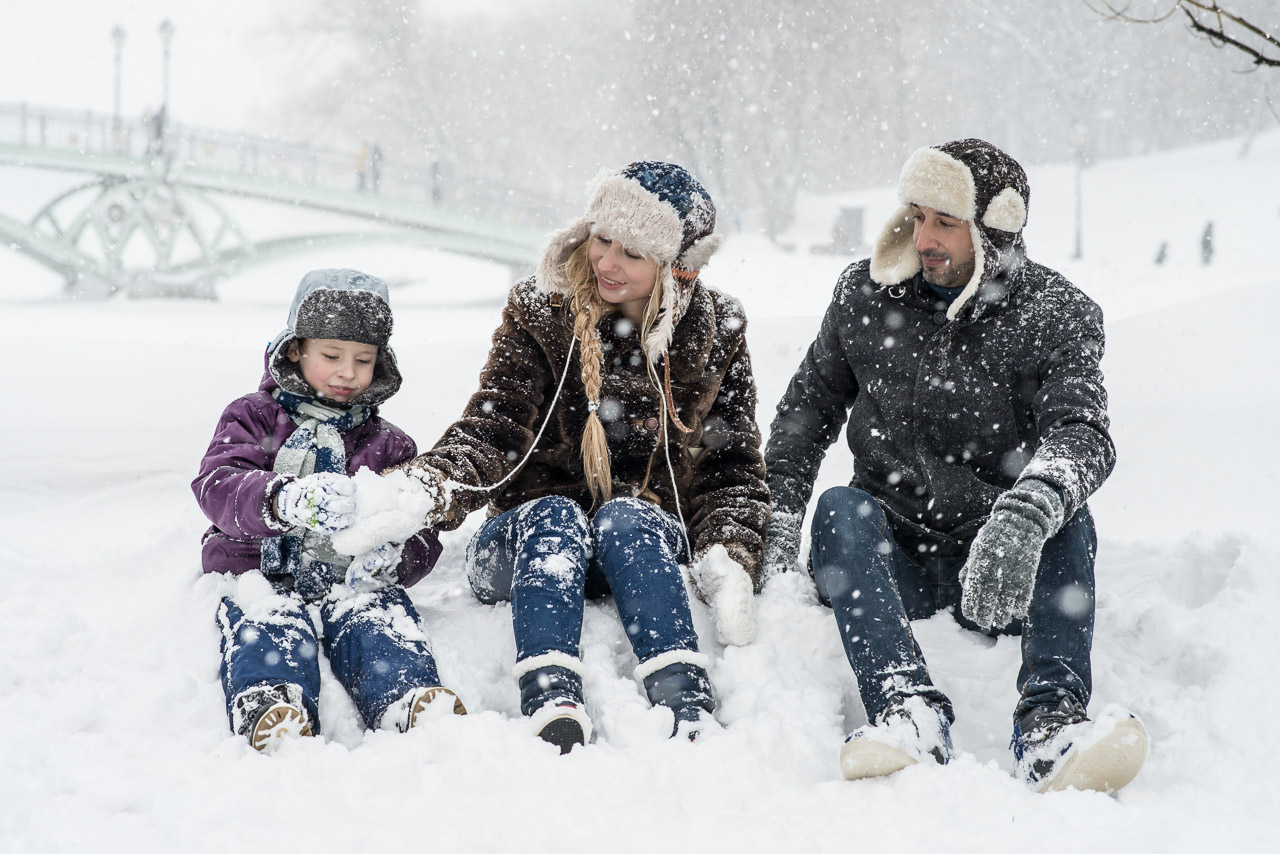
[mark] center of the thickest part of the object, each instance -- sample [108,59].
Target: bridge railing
[366,169]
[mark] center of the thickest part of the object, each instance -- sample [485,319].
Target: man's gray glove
[1000,573]
[782,542]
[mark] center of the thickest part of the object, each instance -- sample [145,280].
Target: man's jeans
[372,640]
[875,589]
[545,556]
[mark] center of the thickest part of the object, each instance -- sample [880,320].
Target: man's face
[945,246]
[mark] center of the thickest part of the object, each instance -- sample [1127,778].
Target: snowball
[390,508]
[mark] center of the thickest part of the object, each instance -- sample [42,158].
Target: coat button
[940,317]
[651,423]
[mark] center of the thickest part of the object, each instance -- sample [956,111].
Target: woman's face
[624,278]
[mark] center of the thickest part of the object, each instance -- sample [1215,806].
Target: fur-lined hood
[974,181]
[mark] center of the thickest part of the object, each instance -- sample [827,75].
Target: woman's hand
[727,589]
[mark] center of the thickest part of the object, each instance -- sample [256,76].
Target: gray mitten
[782,543]
[1000,574]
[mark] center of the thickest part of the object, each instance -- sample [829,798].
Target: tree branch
[1217,35]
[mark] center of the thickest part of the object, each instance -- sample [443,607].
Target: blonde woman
[613,438]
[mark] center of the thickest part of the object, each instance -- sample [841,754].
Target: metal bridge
[151,218]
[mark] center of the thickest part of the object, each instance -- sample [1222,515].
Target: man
[977,419]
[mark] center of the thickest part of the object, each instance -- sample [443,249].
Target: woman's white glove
[375,567]
[323,502]
[727,589]
[390,508]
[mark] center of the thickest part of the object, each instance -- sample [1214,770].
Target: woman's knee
[624,516]
[551,513]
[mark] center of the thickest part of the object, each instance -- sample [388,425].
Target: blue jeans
[875,589]
[374,659]
[546,557]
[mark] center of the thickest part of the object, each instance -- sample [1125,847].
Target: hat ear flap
[551,277]
[699,253]
[1006,212]
[894,258]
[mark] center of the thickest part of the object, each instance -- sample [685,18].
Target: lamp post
[117,40]
[1079,145]
[166,38]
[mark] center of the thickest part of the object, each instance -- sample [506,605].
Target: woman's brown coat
[718,466]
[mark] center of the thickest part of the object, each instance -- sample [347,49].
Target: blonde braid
[587,310]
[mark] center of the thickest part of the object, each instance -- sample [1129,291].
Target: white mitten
[320,502]
[375,567]
[390,508]
[725,586]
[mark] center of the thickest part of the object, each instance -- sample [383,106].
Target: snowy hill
[115,736]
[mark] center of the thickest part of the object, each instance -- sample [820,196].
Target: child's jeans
[373,641]
[546,557]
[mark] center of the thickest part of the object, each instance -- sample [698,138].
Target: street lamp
[1080,152]
[166,37]
[117,39]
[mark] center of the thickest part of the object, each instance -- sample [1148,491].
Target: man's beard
[949,276]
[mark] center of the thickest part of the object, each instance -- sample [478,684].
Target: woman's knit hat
[345,305]
[969,179]
[655,208]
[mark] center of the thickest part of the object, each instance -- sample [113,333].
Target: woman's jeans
[372,641]
[546,557]
[875,589]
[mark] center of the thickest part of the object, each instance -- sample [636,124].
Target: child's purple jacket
[236,486]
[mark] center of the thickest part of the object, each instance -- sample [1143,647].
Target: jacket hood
[346,305]
[972,180]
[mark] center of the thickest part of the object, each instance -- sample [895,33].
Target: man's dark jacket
[944,415]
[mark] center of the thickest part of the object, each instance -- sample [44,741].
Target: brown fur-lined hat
[969,179]
[345,305]
[655,208]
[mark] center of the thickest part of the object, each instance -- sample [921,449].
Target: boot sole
[862,758]
[429,696]
[1107,766]
[565,733]
[277,723]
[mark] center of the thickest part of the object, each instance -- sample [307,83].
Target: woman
[647,455]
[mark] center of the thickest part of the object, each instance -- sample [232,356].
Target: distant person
[1206,243]
[375,167]
[362,168]
[969,378]
[613,438]
[275,483]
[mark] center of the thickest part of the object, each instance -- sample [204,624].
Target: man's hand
[323,502]
[725,586]
[1000,574]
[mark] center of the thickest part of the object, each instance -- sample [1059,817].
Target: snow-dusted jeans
[876,589]
[546,557]
[371,640]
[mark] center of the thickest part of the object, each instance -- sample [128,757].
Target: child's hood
[346,305]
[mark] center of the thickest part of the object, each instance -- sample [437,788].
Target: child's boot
[268,714]
[405,713]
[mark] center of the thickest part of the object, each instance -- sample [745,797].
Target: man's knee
[841,509]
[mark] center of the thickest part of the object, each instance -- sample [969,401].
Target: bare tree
[1221,26]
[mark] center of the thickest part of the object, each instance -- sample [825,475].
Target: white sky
[228,62]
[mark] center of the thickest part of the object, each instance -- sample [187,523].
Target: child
[275,483]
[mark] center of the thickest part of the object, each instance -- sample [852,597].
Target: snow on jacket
[236,485]
[945,414]
[718,467]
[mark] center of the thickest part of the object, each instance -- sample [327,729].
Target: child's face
[337,370]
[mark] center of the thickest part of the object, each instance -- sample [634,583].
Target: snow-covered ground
[114,735]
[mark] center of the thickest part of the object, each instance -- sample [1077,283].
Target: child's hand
[375,567]
[323,502]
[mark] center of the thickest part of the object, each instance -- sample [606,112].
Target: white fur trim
[894,258]
[645,669]
[659,338]
[624,210]
[1007,211]
[937,180]
[979,267]
[560,246]
[547,659]
[697,255]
